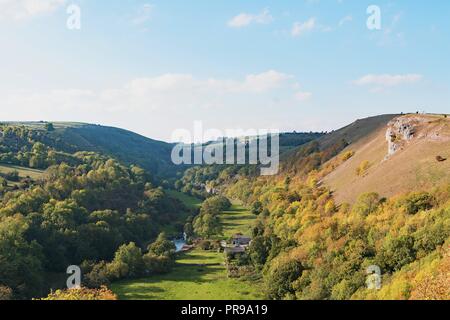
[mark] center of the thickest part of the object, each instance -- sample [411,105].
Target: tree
[20,260]
[162,247]
[396,253]
[281,278]
[367,204]
[49,127]
[259,250]
[207,225]
[418,201]
[257,207]
[128,262]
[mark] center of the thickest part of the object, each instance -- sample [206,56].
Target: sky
[155,67]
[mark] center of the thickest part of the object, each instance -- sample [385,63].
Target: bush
[204,245]
[157,264]
[418,201]
[12,176]
[83,294]
[49,127]
[346,156]
[127,262]
[257,208]
[362,169]
[396,253]
[280,279]
[259,250]
[5,293]
[97,277]
[162,247]
[367,203]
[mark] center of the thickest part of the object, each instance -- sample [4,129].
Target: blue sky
[157,66]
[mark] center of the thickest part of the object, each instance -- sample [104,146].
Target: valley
[374,193]
[198,274]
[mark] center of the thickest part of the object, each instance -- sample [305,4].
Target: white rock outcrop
[400,131]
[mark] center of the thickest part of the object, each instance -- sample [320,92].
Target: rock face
[400,131]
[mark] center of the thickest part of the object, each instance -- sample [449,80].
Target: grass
[23,172]
[190,202]
[198,275]
[412,168]
[237,220]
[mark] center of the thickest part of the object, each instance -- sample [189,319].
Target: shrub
[396,253]
[97,277]
[127,262]
[162,247]
[83,294]
[157,264]
[257,208]
[204,245]
[367,203]
[280,279]
[13,176]
[346,156]
[49,127]
[418,201]
[362,169]
[5,293]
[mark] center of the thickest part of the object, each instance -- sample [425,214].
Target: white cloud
[245,19]
[156,105]
[300,28]
[345,19]
[144,14]
[302,96]
[163,92]
[17,10]
[387,80]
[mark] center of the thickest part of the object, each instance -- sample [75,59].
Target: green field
[198,275]
[23,172]
[237,220]
[190,202]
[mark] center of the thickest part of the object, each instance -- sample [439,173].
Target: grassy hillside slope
[125,146]
[412,167]
[310,156]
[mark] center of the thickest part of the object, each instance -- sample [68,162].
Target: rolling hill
[125,146]
[401,155]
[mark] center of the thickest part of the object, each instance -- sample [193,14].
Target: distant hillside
[311,156]
[397,155]
[125,146]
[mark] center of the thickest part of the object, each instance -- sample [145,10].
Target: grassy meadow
[189,201]
[237,220]
[198,275]
[23,172]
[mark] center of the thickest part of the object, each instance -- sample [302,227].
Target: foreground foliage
[82,294]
